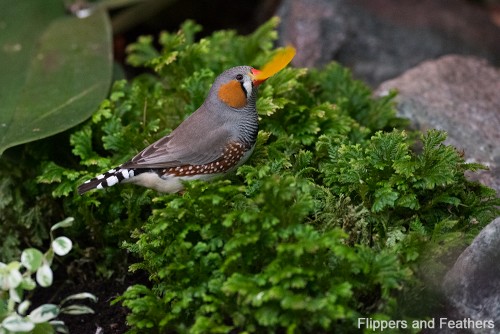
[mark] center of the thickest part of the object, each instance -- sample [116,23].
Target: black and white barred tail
[108,179]
[155,178]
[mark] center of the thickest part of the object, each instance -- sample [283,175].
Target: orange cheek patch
[232,94]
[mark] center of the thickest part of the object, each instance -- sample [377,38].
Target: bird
[214,140]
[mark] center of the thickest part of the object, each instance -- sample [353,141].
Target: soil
[107,318]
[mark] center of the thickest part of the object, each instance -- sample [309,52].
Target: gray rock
[460,95]
[472,286]
[317,28]
[380,39]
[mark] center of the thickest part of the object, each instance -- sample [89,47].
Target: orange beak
[254,75]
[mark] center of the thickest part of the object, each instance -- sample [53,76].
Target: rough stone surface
[472,286]
[380,39]
[460,95]
[317,28]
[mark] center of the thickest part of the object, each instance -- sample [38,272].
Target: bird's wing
[184,146]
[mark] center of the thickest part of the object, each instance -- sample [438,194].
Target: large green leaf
[55,69]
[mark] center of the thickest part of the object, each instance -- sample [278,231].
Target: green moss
[327,222]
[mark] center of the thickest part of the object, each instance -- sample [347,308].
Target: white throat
[248,87]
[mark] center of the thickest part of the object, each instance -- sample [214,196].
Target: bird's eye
[239,77]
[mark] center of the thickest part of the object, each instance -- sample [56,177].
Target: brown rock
[460,95]
[317,28]
[472,286]
[380,39]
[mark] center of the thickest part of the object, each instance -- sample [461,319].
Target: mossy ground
[331,219]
